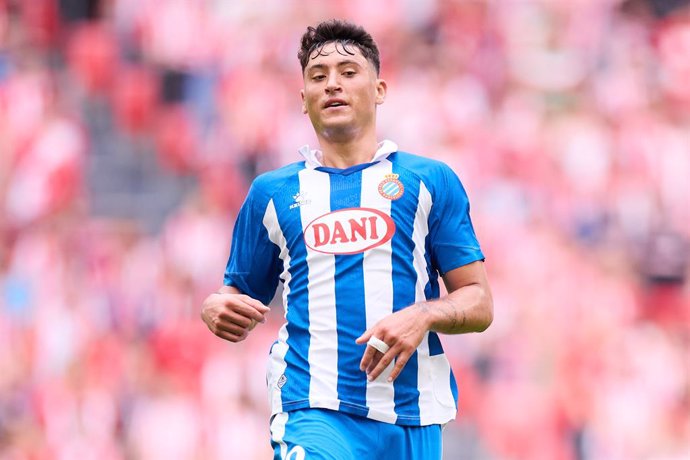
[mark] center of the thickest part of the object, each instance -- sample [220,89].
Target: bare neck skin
[342,150]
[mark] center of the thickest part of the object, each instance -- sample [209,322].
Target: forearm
[467,309]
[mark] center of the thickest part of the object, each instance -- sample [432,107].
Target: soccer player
[358,232]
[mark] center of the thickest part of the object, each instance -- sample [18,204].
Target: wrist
[425,315]
[440,315]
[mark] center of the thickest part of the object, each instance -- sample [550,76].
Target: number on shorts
[296,453]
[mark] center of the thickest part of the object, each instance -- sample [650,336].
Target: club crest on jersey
[391,187]
[349,231]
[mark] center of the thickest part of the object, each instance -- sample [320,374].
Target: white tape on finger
[379,344]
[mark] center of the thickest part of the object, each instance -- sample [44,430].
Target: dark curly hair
[341,32]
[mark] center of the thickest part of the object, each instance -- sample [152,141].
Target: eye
[349,73]
[318,77]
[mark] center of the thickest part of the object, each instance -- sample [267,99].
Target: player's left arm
[468,307]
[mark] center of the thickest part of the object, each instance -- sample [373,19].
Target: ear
[304,104]
[381,89]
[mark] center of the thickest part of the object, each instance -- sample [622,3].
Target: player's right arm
[231,315]
[251,274]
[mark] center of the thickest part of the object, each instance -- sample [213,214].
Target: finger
[237,305]
[400,362]
[259,310]
[386,359]
[374,361]
[242,299]
[364,337]
[232,328]
[368,356]
[235,318]
[255,303]
[231,337]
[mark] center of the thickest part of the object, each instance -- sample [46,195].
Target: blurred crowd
[131,129]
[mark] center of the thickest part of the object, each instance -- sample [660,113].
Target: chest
[337,214]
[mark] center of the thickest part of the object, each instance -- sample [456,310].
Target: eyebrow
[339,64]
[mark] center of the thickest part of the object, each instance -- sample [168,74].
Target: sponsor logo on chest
[349,231]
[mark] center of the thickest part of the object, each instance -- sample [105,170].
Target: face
[341,91]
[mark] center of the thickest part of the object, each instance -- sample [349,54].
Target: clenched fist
[231,315]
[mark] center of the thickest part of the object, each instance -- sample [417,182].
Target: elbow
[488,314]
[488,319]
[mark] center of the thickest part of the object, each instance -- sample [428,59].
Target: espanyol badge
[391,187]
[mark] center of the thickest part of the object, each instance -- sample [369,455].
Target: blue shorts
[322,434]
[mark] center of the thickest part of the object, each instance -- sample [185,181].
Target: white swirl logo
[296,453]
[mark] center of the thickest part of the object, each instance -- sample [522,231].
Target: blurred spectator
[130,130]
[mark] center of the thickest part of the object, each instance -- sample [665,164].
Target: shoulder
[268,184]
[433,173]
[412,160]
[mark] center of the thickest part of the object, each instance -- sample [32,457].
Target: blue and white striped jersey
[350,247]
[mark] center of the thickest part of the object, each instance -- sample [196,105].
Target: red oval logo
[349,231]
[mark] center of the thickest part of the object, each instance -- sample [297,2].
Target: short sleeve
[452,238]
[254,263]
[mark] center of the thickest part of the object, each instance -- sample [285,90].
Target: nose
[333,83]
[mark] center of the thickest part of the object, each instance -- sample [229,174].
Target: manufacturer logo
[349,231]
[281,381]
[300,200]
[391,187]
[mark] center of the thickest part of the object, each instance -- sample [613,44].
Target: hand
[232,316]
[402,331]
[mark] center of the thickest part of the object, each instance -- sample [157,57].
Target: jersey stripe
[441,374]
[296,384]
[277,364]
[323,357]
[378,290]
[404,294]
[349,301]
[424,371]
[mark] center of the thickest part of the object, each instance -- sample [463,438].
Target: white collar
[314,157]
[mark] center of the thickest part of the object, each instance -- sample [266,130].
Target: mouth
[333,103]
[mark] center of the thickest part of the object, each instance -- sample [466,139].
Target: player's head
[345,34]
[340,67]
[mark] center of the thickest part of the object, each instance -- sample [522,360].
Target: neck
[343,153]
